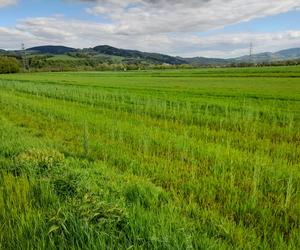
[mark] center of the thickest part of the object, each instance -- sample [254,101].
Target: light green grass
[192,159]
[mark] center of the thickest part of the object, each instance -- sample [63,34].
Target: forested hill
[105,57]
[57,50]
[157,58]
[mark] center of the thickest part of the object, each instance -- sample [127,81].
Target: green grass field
[191,159]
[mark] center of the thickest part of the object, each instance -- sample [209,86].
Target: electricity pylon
[24,58]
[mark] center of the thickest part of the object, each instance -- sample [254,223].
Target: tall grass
[151,160]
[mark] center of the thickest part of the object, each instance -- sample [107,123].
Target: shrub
[9,65]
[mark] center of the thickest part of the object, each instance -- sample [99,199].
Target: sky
[188,28]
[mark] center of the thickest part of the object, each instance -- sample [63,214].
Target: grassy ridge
[157,159]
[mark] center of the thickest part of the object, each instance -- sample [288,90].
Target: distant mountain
[106,53]
[198,61]
[288,54]
[154,57]
[50,49]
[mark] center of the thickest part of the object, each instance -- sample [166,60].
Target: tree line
[9,64]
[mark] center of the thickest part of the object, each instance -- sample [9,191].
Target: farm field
[178,159]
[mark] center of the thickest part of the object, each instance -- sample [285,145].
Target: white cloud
[75,33]
[165,26]
[4,3]
[162,16]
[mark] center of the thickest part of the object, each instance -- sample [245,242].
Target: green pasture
[177,159]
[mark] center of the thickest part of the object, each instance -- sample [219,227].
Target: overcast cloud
[167,26]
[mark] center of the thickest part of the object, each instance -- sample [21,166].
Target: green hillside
[104,57]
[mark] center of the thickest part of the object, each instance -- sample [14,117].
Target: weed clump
[66,185]
[38,161]
[101,214]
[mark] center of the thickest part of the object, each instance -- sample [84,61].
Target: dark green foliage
[49,49]
[9,65]
[107,58]
[152,57]
[65,186]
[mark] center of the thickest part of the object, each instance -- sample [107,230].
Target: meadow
[177,159]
